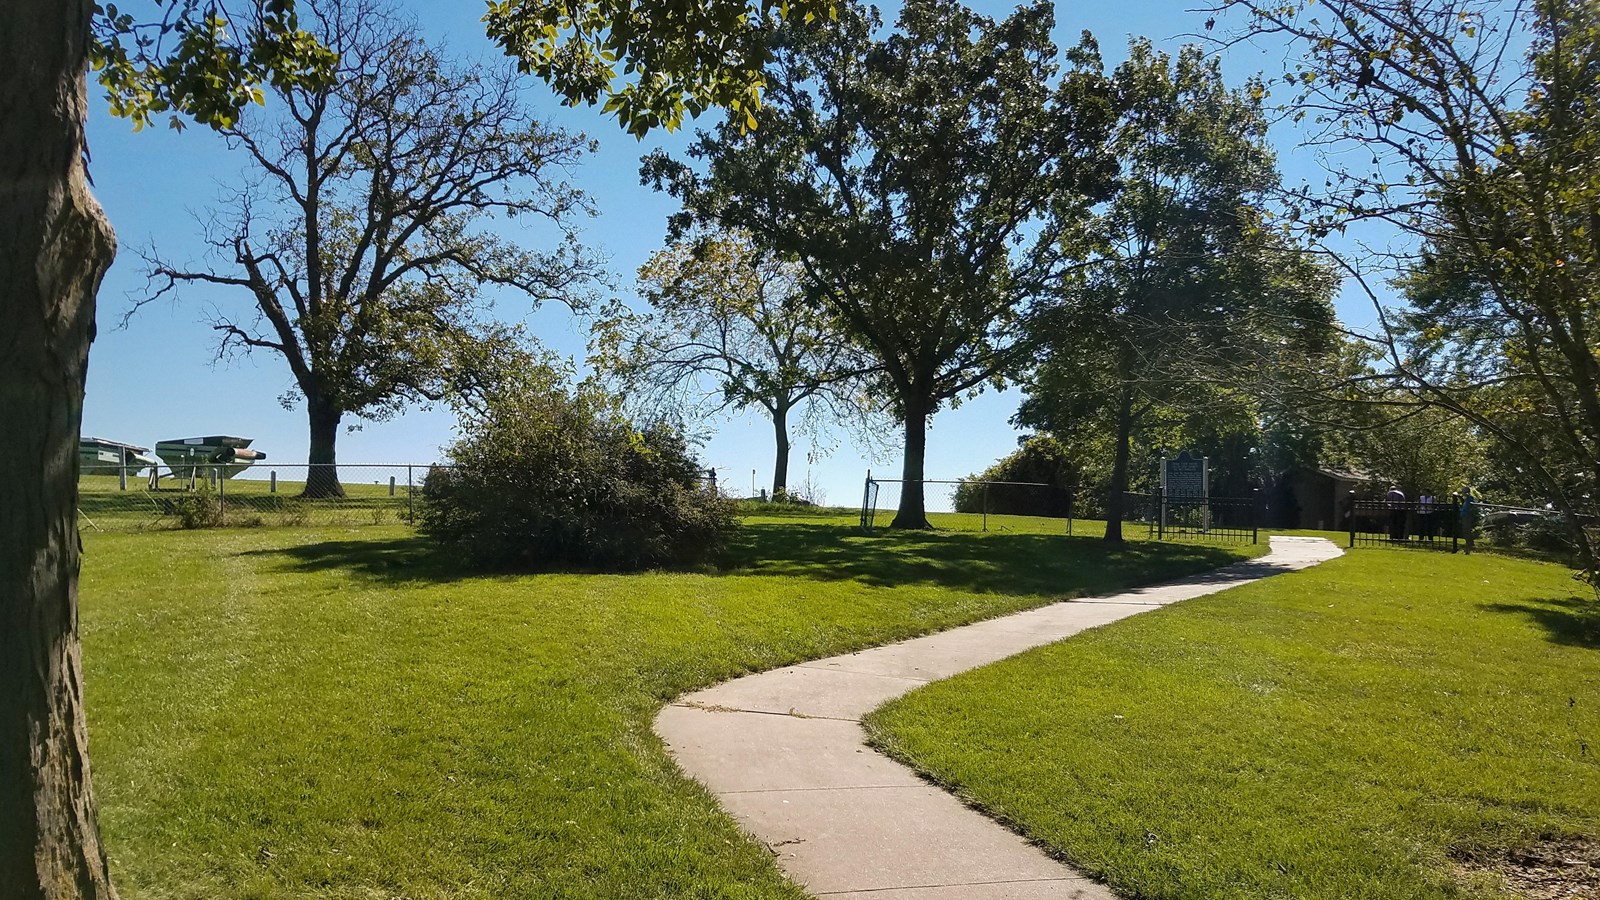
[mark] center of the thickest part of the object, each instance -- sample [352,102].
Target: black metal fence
[115,498]
[1220,520]
[1427,525]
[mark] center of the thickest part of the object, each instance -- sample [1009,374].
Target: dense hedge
[556,477]
[1041,460]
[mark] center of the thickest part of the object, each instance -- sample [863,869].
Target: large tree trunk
[1116,504]
[913,512]
[55,246]
[780,466]
[322,476]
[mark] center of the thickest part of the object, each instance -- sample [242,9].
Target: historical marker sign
[1185,476]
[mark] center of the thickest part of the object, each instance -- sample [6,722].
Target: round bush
[549,478]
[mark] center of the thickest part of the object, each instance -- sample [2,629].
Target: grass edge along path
[1340,732]
[783,750]
[337,713]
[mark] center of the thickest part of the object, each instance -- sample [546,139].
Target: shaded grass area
[1333,733]
[337,713]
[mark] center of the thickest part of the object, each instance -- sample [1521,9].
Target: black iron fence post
[1350,516]
[1455,524]
[1255,515]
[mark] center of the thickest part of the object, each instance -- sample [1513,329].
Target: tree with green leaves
[675,57]
[729,329]
[1477,123]
[184,59]
[358,247]
[928,181]
[1188,282]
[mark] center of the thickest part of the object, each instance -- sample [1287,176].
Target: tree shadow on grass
[1021,564]
[1045,564]
[1570,621]
[399,559]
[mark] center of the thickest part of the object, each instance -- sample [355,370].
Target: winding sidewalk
[785,753]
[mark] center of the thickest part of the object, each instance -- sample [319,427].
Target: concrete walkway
[785,753]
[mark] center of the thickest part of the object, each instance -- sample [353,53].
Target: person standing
[1397,513]
[1471,512]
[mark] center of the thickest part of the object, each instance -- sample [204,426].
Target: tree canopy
[728,329]
[1481,120]
[358,249]
[928,181]
[1187,288]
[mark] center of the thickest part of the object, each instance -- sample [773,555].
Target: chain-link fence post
[866,495]
[410,515]
[222,499]
[986,506]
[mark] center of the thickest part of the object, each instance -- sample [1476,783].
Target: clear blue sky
[158,379]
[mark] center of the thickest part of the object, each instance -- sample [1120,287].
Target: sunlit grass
[342,713]
[1333,733]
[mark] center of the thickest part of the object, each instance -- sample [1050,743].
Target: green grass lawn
[1334,733]
[340,713]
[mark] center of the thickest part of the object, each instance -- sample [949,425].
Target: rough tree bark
[780,466]
[1116,503]
[55,245]
[322,477]
[913,512]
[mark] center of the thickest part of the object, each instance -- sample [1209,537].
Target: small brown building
[1315,498]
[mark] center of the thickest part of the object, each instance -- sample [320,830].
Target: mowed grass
[291,713]
[249,502]
[1333,733]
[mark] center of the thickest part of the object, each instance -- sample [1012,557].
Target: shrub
[199,508]
[548,476]
[1041,460]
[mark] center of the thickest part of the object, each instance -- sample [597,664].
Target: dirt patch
[1563,869]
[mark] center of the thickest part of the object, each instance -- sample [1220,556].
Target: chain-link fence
[975,505]
[113,498]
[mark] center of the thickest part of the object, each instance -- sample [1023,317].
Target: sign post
[1186,479]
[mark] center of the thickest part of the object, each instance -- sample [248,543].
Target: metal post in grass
[1255,515]
[1161,513]
[409,517]
[1455,523]
[1350,515]
[391,485]
[222,502]
[272,482]
[1072,493]
[866,498]
[986,506]
[122,477]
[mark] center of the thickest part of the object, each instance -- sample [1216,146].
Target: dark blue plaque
[1185,476]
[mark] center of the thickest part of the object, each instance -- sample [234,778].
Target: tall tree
[1188,282]
[1477,123]
[728,329]
[928,182]
[358,247]
[58,245]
